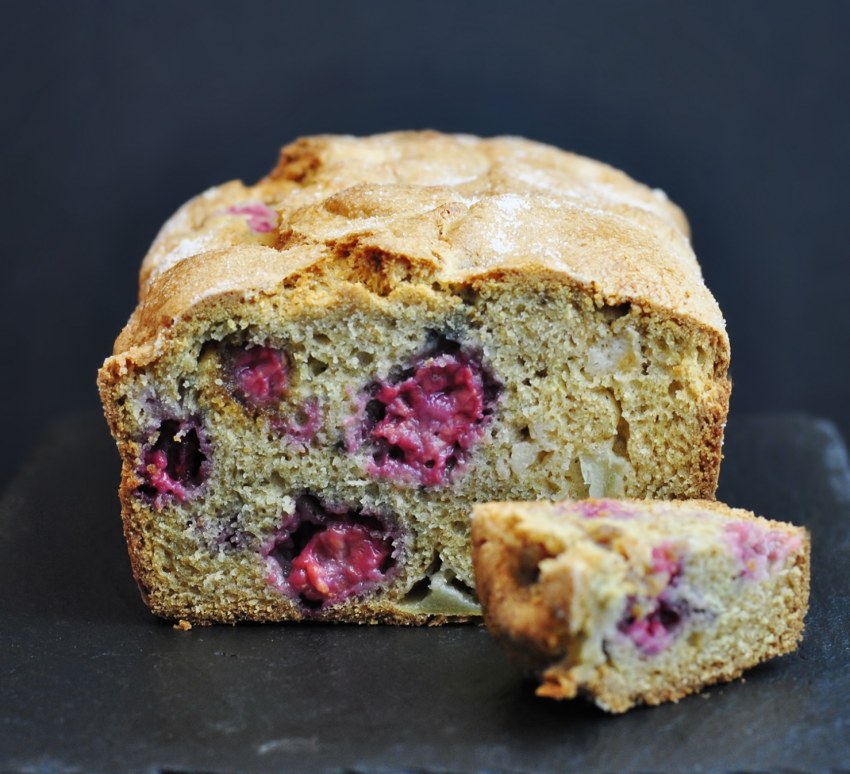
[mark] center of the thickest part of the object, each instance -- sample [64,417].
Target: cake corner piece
[630,602]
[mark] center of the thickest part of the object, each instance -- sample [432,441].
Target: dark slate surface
[91,682]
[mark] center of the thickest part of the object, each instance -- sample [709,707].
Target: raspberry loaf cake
[637,601]
[326,369]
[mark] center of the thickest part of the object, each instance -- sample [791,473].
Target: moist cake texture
[629,602]
[326,369]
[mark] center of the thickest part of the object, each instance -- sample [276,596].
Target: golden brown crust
[450,208]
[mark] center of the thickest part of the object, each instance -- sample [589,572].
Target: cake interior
[301,453]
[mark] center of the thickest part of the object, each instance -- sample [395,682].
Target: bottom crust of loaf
[637,602]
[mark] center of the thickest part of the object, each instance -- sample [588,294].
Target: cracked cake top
[423,207]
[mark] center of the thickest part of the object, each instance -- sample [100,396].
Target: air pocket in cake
[301,424]
[175,462]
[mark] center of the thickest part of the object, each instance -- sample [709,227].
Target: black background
[115,113]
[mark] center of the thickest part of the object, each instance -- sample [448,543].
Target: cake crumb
[183,625]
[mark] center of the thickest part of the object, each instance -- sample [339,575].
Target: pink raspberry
[323,554]
[428,422]
[666,561]
[591,509]
[653,623]
[261,217]
[338,562]
[759,551]
[260,375]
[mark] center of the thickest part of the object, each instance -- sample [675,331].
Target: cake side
[630,602]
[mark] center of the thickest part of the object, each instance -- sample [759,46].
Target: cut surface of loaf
[630,602]
[326,369]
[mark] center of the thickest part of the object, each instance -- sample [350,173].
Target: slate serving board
[92,682]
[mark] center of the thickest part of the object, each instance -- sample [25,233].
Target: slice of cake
[326,369]
[638,601]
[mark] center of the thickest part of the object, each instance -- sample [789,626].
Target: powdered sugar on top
[211,193]
[589,194]
[181,221]
[511,203]
[463,205]
[503,239]
[186,248]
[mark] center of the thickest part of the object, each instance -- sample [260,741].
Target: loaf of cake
[325,370]
[629,602]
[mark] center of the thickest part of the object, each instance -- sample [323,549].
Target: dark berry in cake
[323,554]
[259,375]
[422,426]
[654,622]
[175,464]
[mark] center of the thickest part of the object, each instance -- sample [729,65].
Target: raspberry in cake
[173,464]
[258,375]
[323,554]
